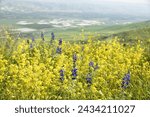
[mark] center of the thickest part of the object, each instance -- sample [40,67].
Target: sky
[129,1]
[99,1]
[132,3]
[146,2]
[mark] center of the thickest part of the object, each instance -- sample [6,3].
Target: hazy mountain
[104,9]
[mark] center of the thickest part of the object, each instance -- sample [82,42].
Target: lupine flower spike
[91,64]
[52,36]
[62,75]
[74,73]
[33,39]
[42,36]
[59,50]
[60,41]
[31,46]
[126,80]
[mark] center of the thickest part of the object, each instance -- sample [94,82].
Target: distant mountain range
[27,9]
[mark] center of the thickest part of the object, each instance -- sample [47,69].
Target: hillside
[123,27]
[128,32]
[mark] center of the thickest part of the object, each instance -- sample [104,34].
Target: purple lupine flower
[91,64]
[52,36]
[60,41]
[74,73]
[126,80]
[42,36]
[59,50]
[62,75]
[61,72]
[33,39]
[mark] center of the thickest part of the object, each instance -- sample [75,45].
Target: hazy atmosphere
[28,14]
[99,8]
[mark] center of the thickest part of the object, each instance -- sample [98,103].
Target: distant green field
[139,30]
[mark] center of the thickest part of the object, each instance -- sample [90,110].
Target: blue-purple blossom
[61,72]
[60,41]
[126,80]
[91,64]
[52,36]
[33,39]
[42,36]
[74,73]
[89,80]
[127,77]
[59,50]
[62,75]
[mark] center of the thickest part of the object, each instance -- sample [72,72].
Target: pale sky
[130,1]
[98,1]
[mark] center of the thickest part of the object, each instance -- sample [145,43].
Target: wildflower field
[54,69]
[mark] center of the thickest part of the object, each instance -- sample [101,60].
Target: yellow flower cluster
[34,72]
